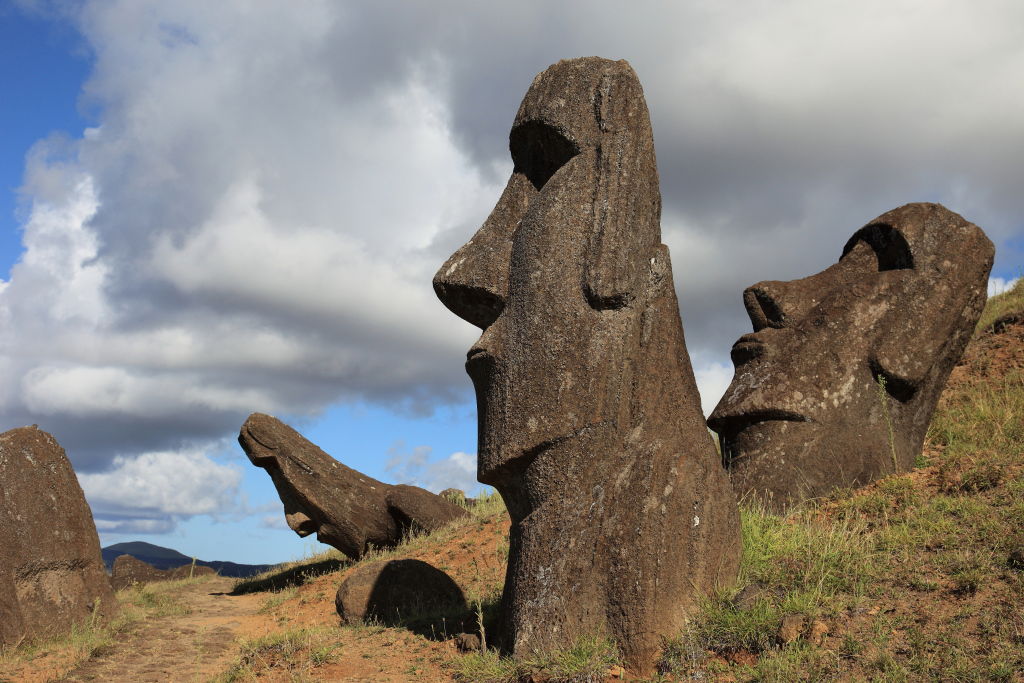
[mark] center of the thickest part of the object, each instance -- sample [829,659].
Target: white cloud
[160,525]
[998,285]
[712,381]
[414,467]
[153,488]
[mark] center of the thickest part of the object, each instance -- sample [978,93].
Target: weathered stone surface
[51,571]
[805,413]
[128,570]
[394,591]
[589,419]
[345,509]
[790,629]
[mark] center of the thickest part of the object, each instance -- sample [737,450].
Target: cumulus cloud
[999,285]
[413,466]
[148,493]
[254,220]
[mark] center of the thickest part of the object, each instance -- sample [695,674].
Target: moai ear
[940,306]
[626,197]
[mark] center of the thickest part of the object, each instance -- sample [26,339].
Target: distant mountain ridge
[167,558]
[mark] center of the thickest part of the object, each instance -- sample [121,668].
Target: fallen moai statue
[51,572]
[346,509]
[590,421]
[838,382]
[128,570]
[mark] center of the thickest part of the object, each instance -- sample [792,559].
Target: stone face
[345,509]
[589,418]
[128,570]
[394,591]
[51,572]
[805,412]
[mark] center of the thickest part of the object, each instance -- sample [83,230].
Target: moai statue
[837,384]
[590,424]
[52,576]
[343,507]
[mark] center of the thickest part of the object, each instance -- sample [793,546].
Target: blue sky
[233,208]
[43,67]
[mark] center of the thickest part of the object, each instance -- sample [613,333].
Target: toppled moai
[590,424]
[346,509]
[52,574]
[837,383]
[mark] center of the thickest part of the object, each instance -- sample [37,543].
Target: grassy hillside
[917,577]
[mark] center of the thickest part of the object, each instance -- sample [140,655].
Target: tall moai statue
[590,423]
[838,382]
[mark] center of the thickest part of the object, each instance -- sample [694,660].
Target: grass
[1009,302]
[296,651]
[589,659]
[93,637]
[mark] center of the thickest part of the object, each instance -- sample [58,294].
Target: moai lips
[589,418]
[805,412]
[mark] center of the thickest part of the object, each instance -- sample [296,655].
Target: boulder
[344,508]
[51,572]
[590,421]
[129,570]
[838,382]
[398,591]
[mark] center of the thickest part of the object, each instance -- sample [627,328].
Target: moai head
[559,274]
[838,382]
[589,418]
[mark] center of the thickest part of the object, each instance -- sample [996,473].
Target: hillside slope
[919,576]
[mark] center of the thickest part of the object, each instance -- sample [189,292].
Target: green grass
[1010,301]
[297,651]
[589,659]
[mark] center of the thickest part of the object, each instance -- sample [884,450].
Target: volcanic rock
[395,591]
[838,382]
[346,509]
[130,570]
[51,573]
[590,423]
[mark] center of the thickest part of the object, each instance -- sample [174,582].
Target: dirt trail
[188,647]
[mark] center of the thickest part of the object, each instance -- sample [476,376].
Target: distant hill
[166,558]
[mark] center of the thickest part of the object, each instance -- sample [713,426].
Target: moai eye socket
[889,245]
[539,150]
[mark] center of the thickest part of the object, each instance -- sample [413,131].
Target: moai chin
[840,358]
[590,424]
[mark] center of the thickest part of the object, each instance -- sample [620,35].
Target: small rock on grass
[467,642]
[791,628]
[1016,559]
[816,632]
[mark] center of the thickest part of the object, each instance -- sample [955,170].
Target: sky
[211,209]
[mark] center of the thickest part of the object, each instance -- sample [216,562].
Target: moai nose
[769,304]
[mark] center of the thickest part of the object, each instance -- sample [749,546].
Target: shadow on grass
[292,576]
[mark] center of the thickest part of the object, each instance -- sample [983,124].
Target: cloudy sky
[211,209]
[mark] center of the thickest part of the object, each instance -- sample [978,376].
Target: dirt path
[188,647]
